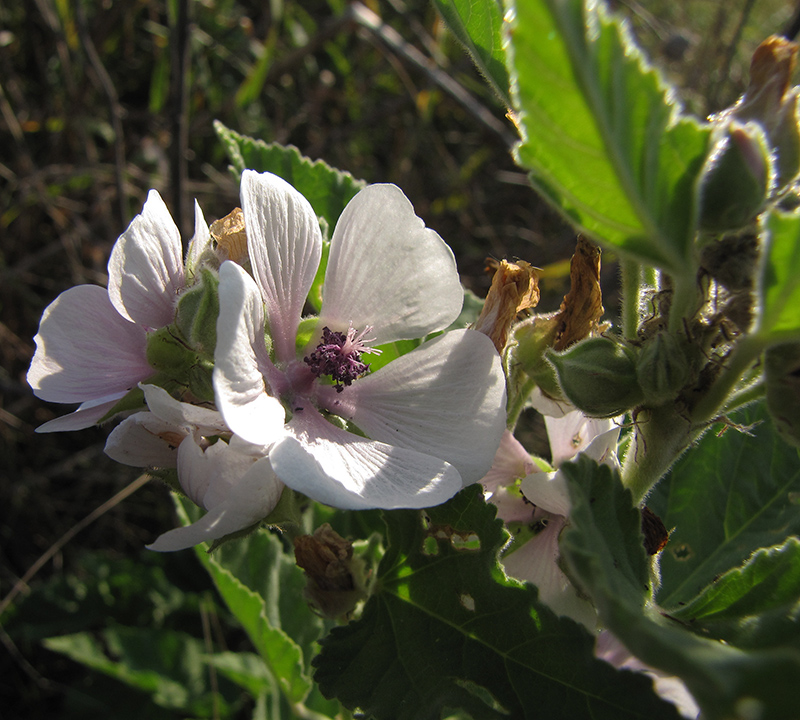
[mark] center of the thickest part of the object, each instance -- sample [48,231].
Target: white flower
[431,419]
[91,344]
[231,479]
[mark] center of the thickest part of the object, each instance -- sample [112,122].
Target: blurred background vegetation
[101,101]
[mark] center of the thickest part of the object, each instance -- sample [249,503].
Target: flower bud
[532,339]
[170,355]
[736,179]
[197,313]
[598,376]
[782,376]
[662,368]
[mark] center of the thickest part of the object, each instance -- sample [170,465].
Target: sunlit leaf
[478,25]
[778,318]
[446,629]
[327,189]
[602,134]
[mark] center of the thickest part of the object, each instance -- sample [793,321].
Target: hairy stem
[631,276]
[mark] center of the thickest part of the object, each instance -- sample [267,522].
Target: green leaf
[727,682]
[327,189]
[779,290]
[446,629]
[754,606]
[166,664]
[602,135]
[249,584]
[723,500]
[478,25]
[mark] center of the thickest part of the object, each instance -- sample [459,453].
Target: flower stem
[517,403]
[631,277]
[684,303]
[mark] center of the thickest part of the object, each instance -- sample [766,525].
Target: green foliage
[446,629]
[723,500]
[601,134]
[779,289]
[327,189]
[478,25]
[602,546]
[165,664]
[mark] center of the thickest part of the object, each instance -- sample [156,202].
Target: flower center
[339,355]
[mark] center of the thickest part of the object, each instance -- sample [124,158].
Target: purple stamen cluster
[338,355]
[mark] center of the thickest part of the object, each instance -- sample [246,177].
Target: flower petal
[537,562]
[144,440]
[241,359]
[572,433]
[200,242]
[446,398]
[88,414]
[388,271]
[145,271]
[346,471]
[249,501]
[85,350]
[511,462]
[285,245]
[548,491]
[180,414]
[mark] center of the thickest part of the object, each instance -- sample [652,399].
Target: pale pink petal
[88,414]
[670,688]
[511,462]
[241,359]
[145,271]
[511,505]
[548,491]
[285,245]
[200,242]
[85,350]
[247,502]
[144,440]
[537,562]
[547,406]
[388,271]
[446,398]
[571,433]
[343,470]
[179,414]
[603,448]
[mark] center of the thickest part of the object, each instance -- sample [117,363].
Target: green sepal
[598,376]
[198,309]
[736,179]
[169,354]
[663,367]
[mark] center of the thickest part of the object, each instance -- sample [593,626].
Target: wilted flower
[91,347]
[407,435]
[230,478]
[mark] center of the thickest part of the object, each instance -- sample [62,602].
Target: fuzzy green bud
[782,376]
[598,376]
[662,368]
[168,354]
[736,179]
[197,313]
[532,339]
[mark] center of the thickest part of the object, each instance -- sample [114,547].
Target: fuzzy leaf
[779,315]
[478,25]
[723,500]
[327,189]
[446,629]
[753,606]
[726,681]
[602,135]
